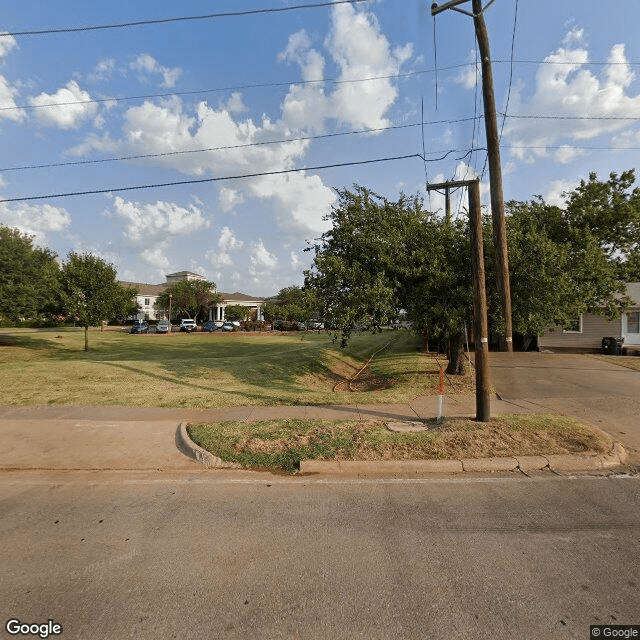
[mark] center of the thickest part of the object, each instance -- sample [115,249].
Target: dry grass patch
[282,444]
[630,362]
[211,370]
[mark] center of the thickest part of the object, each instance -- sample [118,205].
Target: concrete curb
[525,464]
[204,457]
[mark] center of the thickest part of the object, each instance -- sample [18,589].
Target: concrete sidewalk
[139,438]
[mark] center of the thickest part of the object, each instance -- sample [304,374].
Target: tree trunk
[456,355]
[425,340]
[86,338]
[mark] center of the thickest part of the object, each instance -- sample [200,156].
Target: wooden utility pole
[480,321]
[493,154]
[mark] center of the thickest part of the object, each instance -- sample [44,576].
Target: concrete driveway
[604,394]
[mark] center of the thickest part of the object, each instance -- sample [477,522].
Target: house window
[147,302]
[633,322]
[574,327]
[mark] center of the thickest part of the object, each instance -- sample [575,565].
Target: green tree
[381,257]
[236,312]
[90,292]
[567,261]
[297,304]
[29,277]
[189,298]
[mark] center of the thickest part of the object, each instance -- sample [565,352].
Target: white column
[258,312]
[222,310]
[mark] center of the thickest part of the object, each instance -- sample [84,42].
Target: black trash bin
[612,346]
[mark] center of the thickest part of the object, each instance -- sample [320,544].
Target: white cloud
[35,220]
[554,192]
[567,88]
[145,63]
[72,106]
[151,220]
[103,70]
[156,256]
[295,261]
[358,47]
[227,242]
[303,200]
[261,261]
[228,199]
[8,103]
[469,76]
[7,92]
[7,43]
[361,50]
[234,104]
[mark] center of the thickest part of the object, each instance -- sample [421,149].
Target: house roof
[239,297]
[184,274]
[145,289]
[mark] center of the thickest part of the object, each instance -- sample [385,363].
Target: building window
[147,302]
[633,322]
[574,327]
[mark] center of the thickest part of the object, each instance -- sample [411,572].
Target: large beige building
[149,293]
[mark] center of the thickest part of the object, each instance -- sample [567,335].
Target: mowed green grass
[208,370]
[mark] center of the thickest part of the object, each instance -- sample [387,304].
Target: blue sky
[169,91]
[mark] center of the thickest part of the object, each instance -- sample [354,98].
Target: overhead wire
[210,16]
[234,146]
[267,85]
[69,194]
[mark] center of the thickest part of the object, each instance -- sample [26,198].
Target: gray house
[588,330]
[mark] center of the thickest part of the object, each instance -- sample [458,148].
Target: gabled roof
[145,289]
[239,297]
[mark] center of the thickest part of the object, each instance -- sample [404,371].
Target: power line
[261,85]
[139,23]
[237,146]
[513,44]
[268,85]
[557,117]
[70,194]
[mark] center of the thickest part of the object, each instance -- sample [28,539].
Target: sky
[380,87]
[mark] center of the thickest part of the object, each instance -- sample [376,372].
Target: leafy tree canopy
[567,261]
[190,298]
[297,304]
[29,277]
[90,292]
[381,257]
[236,312]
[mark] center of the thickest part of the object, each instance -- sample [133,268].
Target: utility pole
[480,322]
[493,154]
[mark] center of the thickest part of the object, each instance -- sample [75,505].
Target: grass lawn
[282,444]
[205,370]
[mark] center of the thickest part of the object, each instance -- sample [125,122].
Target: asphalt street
[108,530]
[115,555]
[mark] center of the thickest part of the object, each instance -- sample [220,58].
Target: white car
[188,325]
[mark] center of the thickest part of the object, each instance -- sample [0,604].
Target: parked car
[140,326]
[164,326]
[316,324]
[209,326]
[228,326]
[188,325]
